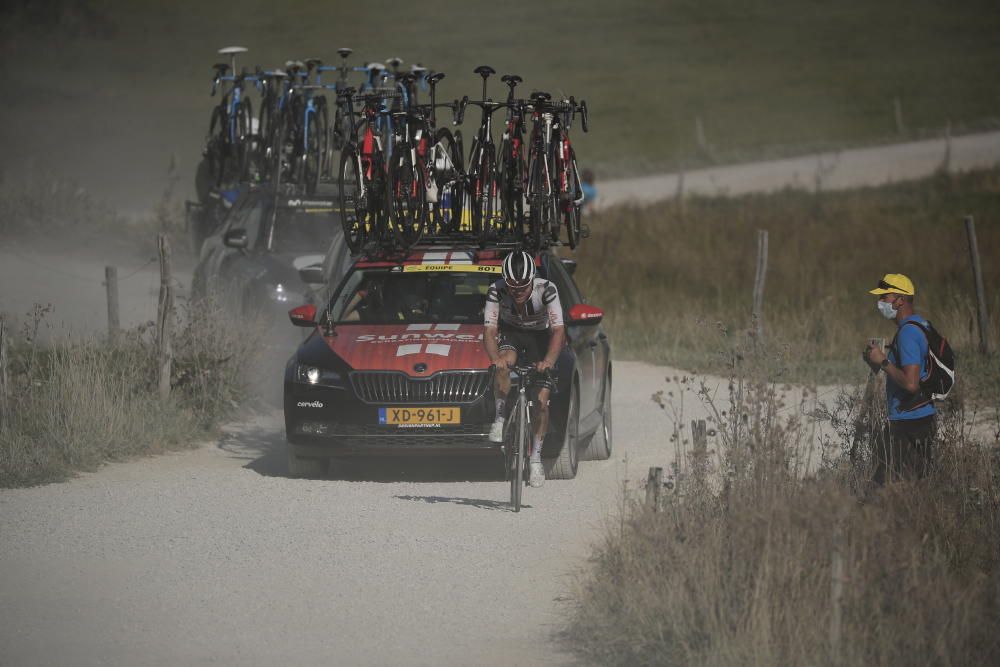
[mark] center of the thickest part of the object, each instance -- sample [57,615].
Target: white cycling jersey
[540,311]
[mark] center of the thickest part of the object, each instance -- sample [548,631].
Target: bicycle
[554,188]
[230,127]
[407,167]
[436,156]
[362,174]
[512,170]
[518,433]
[481,181]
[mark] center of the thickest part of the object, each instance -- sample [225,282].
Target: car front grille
[389,387]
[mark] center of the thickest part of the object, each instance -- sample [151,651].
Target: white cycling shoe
[536,476]
[496,431]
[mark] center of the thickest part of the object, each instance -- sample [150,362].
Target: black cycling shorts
[531,346]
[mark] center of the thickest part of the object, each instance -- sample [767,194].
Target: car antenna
[329,330]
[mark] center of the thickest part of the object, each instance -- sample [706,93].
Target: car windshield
[298,231]
[411,294]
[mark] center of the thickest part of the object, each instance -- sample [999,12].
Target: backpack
[940,368]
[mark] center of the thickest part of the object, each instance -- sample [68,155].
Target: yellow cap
[894,283]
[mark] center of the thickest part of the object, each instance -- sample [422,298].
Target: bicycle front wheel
[520,435]
[354,214]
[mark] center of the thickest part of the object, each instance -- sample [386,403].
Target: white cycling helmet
[518,269]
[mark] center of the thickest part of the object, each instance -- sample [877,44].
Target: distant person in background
[905,449]
[589,189]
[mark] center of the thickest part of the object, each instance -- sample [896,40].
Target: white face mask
[885,307]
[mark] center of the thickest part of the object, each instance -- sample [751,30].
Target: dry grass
[75,404]
[737,567]
[675,283]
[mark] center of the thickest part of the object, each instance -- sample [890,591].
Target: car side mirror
[303,316]
[236,238]
[569,265]
[312,275]
[583,313]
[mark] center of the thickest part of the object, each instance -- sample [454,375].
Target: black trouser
[905,450]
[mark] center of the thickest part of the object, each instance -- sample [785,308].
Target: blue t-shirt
[911,344]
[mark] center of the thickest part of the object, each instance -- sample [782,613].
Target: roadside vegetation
[766,551]
[74,404]
[677,281]
[750,562]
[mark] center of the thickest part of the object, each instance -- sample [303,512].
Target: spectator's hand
[874,356]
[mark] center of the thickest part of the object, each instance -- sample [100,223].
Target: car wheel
[564,466]
[599,447]
[299,466]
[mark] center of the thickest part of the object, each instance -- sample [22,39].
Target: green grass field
[107,90]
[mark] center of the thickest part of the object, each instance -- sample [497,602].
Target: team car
[395,364]
[271,251]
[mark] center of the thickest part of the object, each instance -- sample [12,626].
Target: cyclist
[523,315]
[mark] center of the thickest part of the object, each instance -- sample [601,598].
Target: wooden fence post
[758,284]
[654,485]
[977,273]
[699,448]
[3,374]
[164,317]
[111,283]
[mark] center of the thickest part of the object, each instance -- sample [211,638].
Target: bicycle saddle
[375,66]
[540,96]
[313,62]
[418,68]
[232,50]
[220,68]
[347,92]
[344,52]
[293,65]
[511,79]
[408,78]
[435,77]
[484,71]
[394,62]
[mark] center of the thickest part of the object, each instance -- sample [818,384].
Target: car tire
[600,445]
[299,466]
[565,465]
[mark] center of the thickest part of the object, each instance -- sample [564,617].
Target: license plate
[407,416]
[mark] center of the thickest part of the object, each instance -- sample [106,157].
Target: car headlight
[320,377]
[282,294]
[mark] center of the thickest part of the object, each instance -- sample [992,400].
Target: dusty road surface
[836,170]
[213,556]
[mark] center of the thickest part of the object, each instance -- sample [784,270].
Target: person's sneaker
[496,431]
[537,476]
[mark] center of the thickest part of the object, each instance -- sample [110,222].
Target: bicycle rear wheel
[215,150]
[569,208]
[483,193]
[446,171]
[407,199]
[244,145]
[354,214]
[315,149]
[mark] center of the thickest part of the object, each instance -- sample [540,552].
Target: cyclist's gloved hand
[544,365]
[501,364]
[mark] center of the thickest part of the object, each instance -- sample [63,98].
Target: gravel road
[212,556]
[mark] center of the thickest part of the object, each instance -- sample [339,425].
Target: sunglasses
[884,285]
